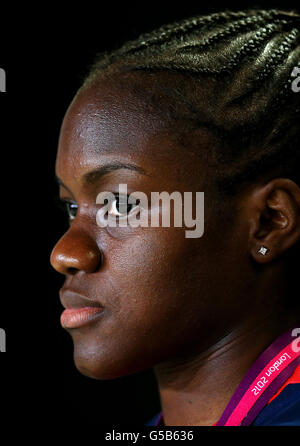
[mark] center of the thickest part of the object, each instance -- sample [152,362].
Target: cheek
[151,306]
[150,267]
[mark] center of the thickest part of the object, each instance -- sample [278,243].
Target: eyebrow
[94,175]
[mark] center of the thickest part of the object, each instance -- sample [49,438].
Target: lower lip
[76,317]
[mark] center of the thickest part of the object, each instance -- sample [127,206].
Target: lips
[79,310]
[76,317]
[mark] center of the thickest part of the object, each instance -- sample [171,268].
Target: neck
[194,391]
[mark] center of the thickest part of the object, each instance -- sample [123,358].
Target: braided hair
[245,59]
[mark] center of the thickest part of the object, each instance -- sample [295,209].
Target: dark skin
[199,311]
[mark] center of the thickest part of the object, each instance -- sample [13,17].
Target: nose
[76,251]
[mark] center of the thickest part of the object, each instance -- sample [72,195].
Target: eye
[66,206]
[120,206]
[71,209]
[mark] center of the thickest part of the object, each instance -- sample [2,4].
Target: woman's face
[164,296]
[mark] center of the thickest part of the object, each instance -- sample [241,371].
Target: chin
[96,368]
[109,360]
[102,367]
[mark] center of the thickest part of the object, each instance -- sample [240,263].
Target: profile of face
[163,296]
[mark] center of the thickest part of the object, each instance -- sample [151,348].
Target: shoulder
[284,410]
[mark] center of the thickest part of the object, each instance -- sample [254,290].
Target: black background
[45,51]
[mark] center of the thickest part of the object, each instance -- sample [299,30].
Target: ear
[275,219]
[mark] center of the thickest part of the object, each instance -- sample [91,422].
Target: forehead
[124,117]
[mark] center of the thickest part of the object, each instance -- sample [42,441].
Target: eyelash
[65,205]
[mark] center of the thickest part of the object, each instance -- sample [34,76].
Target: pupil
[122,206]
[72,209]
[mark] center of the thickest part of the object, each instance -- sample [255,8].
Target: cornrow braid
[232,29]
[183,27]
[239,65]
[279,54]
[165,32]
[250,47]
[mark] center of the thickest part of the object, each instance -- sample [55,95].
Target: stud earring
[263,250]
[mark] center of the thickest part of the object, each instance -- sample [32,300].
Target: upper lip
[73,299]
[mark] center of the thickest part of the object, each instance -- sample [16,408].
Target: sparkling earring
[263,250]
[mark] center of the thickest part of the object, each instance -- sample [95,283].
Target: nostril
[72,271]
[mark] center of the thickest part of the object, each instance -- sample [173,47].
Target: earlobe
[263,250]
[262,254]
